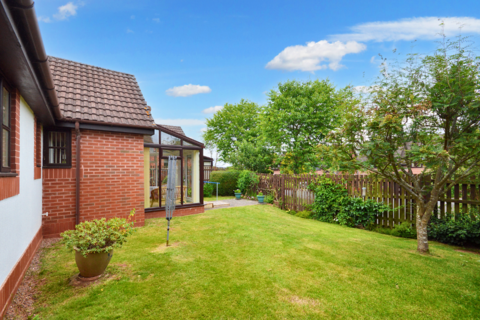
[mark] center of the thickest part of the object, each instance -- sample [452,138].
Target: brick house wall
[111,182]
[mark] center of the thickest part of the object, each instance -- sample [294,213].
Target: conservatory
[189,169]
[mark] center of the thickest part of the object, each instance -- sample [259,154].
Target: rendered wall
[21,214]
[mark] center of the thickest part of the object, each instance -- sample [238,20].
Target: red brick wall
[37,151]
[111,182]
[176,213]
[10,186]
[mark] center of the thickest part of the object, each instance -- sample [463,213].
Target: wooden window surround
[5,127]
[57,148]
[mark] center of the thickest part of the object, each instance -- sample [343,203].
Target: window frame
[195,145]
[46,148]
[4,84]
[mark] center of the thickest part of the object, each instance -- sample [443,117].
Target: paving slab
[233,203]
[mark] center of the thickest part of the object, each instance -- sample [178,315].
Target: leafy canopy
[231,125]
[297,118]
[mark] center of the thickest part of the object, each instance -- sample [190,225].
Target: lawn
[258,262]
[214,198]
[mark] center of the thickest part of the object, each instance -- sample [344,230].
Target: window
[5,129]
[57,152]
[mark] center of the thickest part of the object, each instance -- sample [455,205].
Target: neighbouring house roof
[92,94]
[176,129]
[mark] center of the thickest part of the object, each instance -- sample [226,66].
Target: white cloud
[212,109]
[188,90]
[66,11]
[310,56]
[157,20]
[45,19]
[181,122]
[203,130]
[426,28]
[129,31]
[372,59]
[364,89]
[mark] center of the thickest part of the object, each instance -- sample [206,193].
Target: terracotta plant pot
[94,264]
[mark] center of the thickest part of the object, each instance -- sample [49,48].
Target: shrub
[208,189]
[99,235]
[269,199]
[228,181]
[357,212]
[329,199]
[403,230]
[462,230]
[248,182]
[333,204]
[304,214]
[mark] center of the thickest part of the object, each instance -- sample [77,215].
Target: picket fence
[291,192]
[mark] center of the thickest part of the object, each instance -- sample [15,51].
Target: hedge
[228,181]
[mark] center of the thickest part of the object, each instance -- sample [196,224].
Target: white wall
[21,215]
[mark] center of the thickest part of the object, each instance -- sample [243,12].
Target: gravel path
[236,203]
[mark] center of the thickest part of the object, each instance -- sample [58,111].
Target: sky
[192,57]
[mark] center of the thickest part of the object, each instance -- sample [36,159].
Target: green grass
[258,262]
[214,198]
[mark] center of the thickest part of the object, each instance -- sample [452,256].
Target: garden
[260,262]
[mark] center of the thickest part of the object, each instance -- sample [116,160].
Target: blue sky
[192,56]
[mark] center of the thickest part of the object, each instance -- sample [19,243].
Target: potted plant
[93,242]
[238,194]
[260,197]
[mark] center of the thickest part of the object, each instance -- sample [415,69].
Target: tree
[233,124]
[426,112]
[298,117]
[253,156]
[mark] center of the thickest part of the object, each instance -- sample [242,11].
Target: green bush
[99,235]
[304,214]
[208,189]
[403,230]
[333,204]
[248,182]
[461,230]
[228,181]
[269,199]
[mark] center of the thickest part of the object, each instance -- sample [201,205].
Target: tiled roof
[91,93]
[176,129]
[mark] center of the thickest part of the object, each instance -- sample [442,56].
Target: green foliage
[298,117]
[269,199]
[304,214]
[232,125]
[260,193]
[208,189]
[237,191]
[253,155]
[99,235]
[228,181]
[462,230]
[248,182]
[333,204]
[358,212]
[403,230]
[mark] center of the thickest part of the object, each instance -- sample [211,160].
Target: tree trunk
[422,236]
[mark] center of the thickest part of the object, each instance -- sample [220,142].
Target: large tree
[254,156]
[425,112]
[297,118]
[230,126]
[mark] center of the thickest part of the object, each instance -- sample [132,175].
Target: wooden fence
[207,170]
[291,192]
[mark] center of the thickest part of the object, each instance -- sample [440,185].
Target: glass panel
[151,139]
[151,174]
[207,163]
[178,196]
[5,148]
[185,143]
[167,153]
[6,107]
[57,143]
[191,176]
[171,140]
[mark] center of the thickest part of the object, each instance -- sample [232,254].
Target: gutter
[77,173]
[28,24]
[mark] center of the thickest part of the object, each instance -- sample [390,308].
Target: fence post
[282,188]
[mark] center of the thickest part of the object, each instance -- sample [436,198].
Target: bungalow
[77,142]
